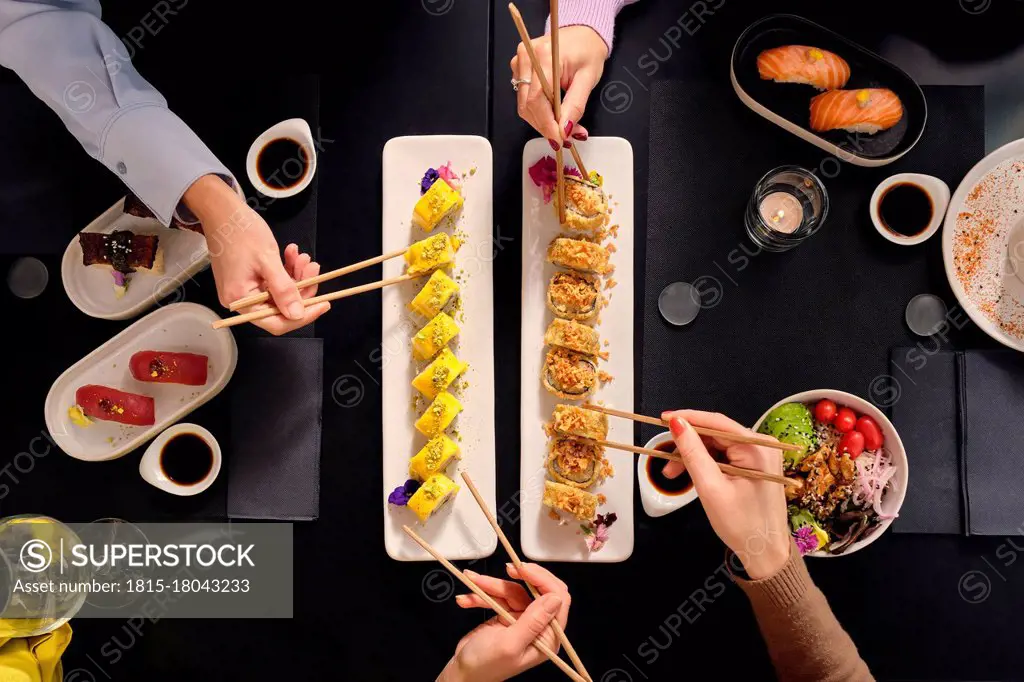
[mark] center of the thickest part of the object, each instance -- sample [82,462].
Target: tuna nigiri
[857,111]
[802,64]
[110,404]
[164,367]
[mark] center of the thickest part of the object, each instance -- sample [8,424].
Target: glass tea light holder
[788,205]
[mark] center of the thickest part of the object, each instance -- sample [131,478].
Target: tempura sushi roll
[431,253]
[570,420]
[569,375]
[439,415]
[577,254]
[439,374]
[432,495]
[438,203]
[561,497]
[586,206]
[574,296]
[433,458]
[574,336]
[857,111]
[429,341]
[575,463]
[434,295]
[803,64]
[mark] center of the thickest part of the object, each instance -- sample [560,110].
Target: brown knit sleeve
[805,641]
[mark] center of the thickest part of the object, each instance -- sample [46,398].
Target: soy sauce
[680,485]
[186,459]
[906,209]
[282,163]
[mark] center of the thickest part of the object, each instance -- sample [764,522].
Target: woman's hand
[749,516]
[246,258]
[493,651]
[582,53]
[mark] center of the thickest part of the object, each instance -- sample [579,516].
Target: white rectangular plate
[460,531]
[181,327]
[91,288]
[542,538]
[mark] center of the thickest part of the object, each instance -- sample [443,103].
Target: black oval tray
[788,104]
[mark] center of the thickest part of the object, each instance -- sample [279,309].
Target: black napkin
[823,315]
[274,467]
[923,392]
[991,409]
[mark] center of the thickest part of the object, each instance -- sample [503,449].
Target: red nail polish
[566,145]
[568,128]
[554,145]
[677,426]
[582,137]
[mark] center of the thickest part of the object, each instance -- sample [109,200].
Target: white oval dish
[938,192]
[91,288]
[153,473]
[295,129]
[892,500]
[1009,283]
[655,502]
[179,327]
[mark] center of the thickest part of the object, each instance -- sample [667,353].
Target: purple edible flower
[119,278]
[806,540]
[400,495]
[429,178]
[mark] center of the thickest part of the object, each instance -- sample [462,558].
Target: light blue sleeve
[72,61]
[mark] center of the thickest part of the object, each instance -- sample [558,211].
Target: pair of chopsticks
[264,296]
[582,675]
[702,431]
[553,94]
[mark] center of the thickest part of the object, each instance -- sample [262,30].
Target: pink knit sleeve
[597,14]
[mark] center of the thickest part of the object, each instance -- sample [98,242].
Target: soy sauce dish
[787,104]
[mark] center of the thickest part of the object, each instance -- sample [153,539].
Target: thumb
[575,101]
[282,288]
[696,457]
[535,620]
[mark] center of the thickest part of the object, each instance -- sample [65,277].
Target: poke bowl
[854,470]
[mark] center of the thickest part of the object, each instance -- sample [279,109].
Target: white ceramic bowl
[295,129]
[892,500]
[153,473]
[655,502]
[937,191]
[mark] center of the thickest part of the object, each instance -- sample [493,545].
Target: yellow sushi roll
[434,336]
[439,415]
[439,202]
[434,295]
[431,253]
[439,374]
[432,495]
[433,458]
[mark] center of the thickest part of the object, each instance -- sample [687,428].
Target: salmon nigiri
[857,111]
[802,64]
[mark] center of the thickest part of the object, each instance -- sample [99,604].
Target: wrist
[769,561]
[210,198]
[452,672]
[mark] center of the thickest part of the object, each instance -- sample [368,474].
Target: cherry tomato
[852,442]
[825,411]
[872,433]
[845,420]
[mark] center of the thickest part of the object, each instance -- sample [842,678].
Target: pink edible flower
[545,175]
[449,176]
[806,540]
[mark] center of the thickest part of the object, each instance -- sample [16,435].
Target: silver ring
[516,82]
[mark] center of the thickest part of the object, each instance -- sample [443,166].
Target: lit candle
[782,212]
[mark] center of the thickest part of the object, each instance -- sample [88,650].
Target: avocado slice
[791,423]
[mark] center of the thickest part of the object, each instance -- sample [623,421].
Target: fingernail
[462,599]
[568,128]
[567,145]
[470,574]
[551,603]
[665,414]
[295,310]
[509,567]
[580,135]
[554,145]
[677,426]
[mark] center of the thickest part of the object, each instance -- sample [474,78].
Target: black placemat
[923,392]
[822,315]
[991,404]
[274,468]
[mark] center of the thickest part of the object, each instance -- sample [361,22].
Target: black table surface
[440,66]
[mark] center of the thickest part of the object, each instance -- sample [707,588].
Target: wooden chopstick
[333,296]
[711,433]
[730,469]
[555,625]
[556,101]
[323,277]
[502,613]
[524,36]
